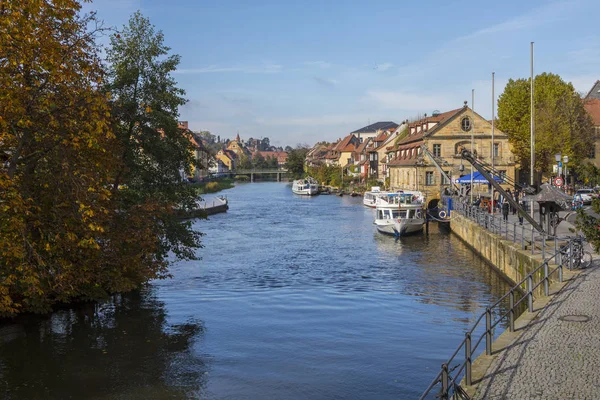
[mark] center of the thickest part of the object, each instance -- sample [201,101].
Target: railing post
[511,304]
[560,272]
[506,226]
[514,231]
[522,237]
[546,280]
[571,254]
[543,246]
[468,358]
[444,394]
[530,292]
[532,241]
[488,331]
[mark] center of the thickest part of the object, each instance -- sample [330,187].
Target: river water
[294,298]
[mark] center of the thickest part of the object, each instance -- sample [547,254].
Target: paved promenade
[557,355]
[554,358]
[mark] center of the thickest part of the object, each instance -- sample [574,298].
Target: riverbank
[214,186]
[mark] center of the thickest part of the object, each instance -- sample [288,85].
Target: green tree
[561,123]
[155,156]
[295,161]
[259,162]
[245,162]
[56,162]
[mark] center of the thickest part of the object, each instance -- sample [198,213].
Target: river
[294,298]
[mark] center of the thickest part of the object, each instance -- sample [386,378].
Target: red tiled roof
[344,143]
[440,118]
[349,147]
[592,106]
[381,137]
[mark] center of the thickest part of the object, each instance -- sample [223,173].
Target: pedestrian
[505,207]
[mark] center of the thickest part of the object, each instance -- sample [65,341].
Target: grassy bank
[214,186]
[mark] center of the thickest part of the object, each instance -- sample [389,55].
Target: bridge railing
[459,365]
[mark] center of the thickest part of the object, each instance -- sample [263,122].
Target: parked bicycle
[581,258]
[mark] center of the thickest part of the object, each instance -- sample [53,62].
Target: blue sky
[305,71]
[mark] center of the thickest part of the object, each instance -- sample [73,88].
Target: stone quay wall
[505,256]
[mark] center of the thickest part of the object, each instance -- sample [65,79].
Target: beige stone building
[444,135]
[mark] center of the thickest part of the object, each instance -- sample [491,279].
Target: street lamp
[565,161]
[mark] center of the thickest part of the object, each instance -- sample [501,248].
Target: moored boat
[399,214]
[370,197]
[305,187]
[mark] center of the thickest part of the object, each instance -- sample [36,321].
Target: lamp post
[565,161]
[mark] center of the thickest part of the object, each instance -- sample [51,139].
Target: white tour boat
[306,187]
[399,214]
[370,198]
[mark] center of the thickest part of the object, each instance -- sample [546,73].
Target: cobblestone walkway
[553,358]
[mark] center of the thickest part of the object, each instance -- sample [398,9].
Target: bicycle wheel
[586,260]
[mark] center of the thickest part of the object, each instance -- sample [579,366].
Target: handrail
[450,384]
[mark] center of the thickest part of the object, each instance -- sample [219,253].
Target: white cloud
[384,66]
[248,69]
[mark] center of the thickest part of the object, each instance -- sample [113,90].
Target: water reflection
[122,349]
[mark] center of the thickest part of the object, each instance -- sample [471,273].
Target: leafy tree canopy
[561,123]
[295,161]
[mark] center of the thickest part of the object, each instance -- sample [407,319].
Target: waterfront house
[373,130]
[280,156]
[238,147]
[344,150]
[228,158]
[444,135]
[378,155]
[316,155]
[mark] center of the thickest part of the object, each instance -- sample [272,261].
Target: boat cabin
[392,213]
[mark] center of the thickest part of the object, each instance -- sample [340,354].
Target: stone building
[444,135]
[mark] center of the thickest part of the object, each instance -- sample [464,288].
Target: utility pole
[472,135]
[493,144]
[531,178]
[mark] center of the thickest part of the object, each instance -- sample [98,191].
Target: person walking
[505,208]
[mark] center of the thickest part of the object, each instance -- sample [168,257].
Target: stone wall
[506,257]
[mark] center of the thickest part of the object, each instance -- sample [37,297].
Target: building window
[429,178]
[445,181]
[465,124]
[496,149]
[437,150]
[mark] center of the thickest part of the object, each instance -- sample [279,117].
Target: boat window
[411,213]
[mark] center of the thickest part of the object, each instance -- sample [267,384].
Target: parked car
[586,195]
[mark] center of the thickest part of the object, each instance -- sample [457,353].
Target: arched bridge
[260,171]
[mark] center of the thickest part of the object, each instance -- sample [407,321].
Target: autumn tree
[155,156]
[55,156]
[561,123]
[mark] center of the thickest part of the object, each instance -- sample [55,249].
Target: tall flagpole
[472,138]
[531,178]
[493,144]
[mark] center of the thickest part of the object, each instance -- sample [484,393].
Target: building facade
[445,135]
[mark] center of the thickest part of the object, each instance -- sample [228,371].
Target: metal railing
[455,369]
[522,233]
